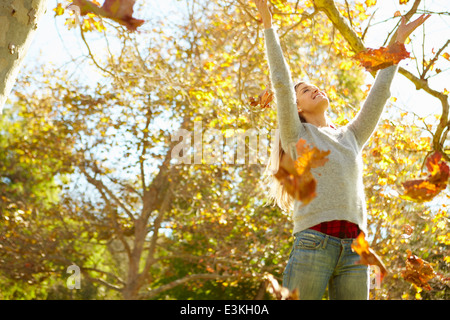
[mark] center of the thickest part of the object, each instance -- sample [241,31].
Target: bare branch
[434,59]
[101,186]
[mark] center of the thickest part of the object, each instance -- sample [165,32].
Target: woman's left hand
[404,30]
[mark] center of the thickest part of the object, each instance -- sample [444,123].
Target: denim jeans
[318,260]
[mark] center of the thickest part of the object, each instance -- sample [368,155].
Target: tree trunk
[18,23]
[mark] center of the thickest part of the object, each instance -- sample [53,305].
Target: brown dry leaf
[407,231]
[426,189]
[263,100]
[296,176]
[418,271]
[280,292]
[375,59]
[120,11]
[367,255]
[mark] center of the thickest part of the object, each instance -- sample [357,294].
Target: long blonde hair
[277,194]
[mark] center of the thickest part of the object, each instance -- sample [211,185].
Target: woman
[325,228]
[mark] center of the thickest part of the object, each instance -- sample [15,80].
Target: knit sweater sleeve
[365,122]
[288,120]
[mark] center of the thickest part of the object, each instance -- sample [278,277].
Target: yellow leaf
[59,10]
[371,3]
[345,65]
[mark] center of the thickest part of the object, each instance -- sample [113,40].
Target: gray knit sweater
[340,189]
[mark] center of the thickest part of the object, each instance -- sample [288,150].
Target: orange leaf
[280,292]
[296,176]
[407,231]
[367,255]
[375,59]
[418,271]
[120,11]
[426,189]
[263,100]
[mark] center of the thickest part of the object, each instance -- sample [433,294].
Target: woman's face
[310,99]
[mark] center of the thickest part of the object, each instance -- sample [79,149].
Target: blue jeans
[318,260]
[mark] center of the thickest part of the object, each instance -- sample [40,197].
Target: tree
[18,20]
[148,212]
[141,224]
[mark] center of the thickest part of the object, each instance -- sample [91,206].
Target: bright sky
[56,45]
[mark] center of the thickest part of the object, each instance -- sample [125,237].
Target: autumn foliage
[427,189]
[376,59]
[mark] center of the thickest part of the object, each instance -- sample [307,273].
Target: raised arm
[367,119]
[365,122]
[280,75]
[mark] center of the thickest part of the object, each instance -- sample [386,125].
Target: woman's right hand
[266,16]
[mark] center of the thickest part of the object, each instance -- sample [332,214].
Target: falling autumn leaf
[59,10]
[426,189]
[446,56]
[407,231]
[404,1]
[120,11]
[367,255]
[263,100]
[296,176]
[280,292]
[418,271]
[375,59]
[371,3]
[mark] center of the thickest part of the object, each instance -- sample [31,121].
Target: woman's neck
[319,120]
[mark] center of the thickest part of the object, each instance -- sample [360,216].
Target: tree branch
[101,186]
[434,59]
[201,276]
[103,272]
[329,8]
[103,282]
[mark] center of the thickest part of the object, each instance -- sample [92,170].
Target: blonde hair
[277,194]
